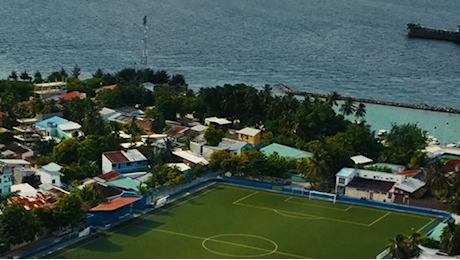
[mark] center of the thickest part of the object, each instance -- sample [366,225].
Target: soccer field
[231,222]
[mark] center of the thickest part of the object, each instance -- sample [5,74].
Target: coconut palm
[315,169]
[348,108]
[398,247]
[450,239]
[436,177]
[332,98]
[360,111]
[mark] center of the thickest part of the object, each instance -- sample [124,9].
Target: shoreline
[286,90]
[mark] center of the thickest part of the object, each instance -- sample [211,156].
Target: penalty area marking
[299,216]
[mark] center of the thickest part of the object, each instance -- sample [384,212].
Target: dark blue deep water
[355,47]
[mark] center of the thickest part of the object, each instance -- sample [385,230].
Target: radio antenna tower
[144,59]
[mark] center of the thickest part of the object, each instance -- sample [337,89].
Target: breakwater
[286,90]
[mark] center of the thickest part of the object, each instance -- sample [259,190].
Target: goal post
[161,201]
[323,195]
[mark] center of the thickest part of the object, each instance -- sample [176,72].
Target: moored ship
[416,30]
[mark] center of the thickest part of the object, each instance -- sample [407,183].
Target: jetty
[286,90]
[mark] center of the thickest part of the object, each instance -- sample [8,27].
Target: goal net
[161,201]
[322,195]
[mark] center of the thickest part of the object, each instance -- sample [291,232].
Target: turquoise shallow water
[381,117]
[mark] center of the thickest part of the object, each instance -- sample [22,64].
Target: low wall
[200,183]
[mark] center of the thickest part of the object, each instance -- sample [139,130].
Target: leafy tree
[213,135]
[110,98]
[68,211]
[217,158]
[450,239]
[45,216]
[144,189]
[252,163]
[18,225]
[316,170]
[91,194]
[403,143]
[177,79]
[76,71]
[158,121]
[66,152]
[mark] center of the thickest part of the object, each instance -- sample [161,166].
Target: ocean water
[355,47]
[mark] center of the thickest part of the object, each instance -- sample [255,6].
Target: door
[371,195]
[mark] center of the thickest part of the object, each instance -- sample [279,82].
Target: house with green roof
[285,151]
[124,183]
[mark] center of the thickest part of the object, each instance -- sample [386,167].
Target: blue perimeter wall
[272,188]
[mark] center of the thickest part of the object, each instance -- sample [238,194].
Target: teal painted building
[285,151]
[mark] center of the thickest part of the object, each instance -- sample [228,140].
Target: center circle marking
[214,239]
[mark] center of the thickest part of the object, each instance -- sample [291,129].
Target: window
[139,162]
[1,191]
[114,165]
[128,164]
[53,181]
[389,195]
[341,180]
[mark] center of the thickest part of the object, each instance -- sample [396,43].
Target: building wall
[364,193]
[6,180]
[196,148]
[49,178]
[124,167]
[104,218]
[106,165]
[254,140]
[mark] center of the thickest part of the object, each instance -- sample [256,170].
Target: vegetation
[213,135]
[405,247]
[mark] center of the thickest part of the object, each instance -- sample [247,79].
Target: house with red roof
[72,95]
[112,212]
[109,87]
[124,161]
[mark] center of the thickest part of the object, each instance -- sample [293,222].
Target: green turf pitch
[231,222]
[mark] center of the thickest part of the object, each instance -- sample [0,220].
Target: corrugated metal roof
[285,151]
[124,183]
[116,157]
[134,155]
[115,204]
[112,175]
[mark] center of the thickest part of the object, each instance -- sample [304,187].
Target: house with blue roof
[285,151]
[200,148]
[58,127]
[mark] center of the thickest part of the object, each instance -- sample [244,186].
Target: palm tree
[436,177]
[332,98]
[398,248]
[405,247]
[91,194]
[450,239]
[316,170]
[348,107]
[360,111]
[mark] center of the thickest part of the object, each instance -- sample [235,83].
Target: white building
[373,185]
[51,174]
[217,121]
[124,161]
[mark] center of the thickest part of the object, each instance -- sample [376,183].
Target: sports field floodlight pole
[444,138]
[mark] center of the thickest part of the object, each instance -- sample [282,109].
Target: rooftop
[112,175]
[180,166]
[177,131]
[108,191]
[14,161]
[52,167]
[116,157]
[249,131]
[72,95]
[115,204]
[199,128]
[51,84]
[133,155]
[361,159]
[219,121]
[410,185]
[125,183]
[285,151]
[14,147]
[230,145]
[55,119]
[346,172]
[190,157]
[375,185]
